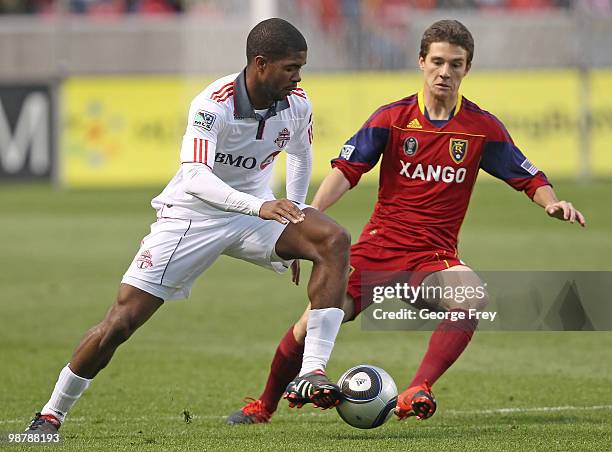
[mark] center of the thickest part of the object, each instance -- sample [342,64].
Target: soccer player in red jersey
[432,145]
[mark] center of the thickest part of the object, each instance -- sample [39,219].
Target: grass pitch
[64,253]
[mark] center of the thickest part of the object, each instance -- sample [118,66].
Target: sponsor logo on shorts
[283,138]
[204,120]
[411,146]
[145,260]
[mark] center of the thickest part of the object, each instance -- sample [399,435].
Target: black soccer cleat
[43,424]
[313,387]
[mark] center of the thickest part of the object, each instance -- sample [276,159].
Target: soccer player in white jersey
[219,202]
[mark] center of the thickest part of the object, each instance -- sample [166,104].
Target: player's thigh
[175,253]
[312,238]
[457,287]
[263,242]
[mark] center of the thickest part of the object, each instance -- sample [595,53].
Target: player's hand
[565,211]
[281,210]
[295,272]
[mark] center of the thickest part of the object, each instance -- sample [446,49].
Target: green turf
[63,254]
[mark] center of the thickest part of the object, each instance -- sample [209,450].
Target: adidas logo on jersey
[414,124]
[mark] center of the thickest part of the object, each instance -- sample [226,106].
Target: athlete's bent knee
[337,243]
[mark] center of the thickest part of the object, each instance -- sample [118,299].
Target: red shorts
[381,264]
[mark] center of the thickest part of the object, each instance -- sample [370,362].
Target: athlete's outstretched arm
[203,184]
[563,210]
[331,190]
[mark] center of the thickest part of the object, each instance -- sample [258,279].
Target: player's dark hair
[451,31]
[275,39]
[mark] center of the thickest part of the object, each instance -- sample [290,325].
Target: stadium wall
[66,45]
[126,131]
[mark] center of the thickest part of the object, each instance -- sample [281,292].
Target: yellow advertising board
[123,131]
[600,156]
[126,131]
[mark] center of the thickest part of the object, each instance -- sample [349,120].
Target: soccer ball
[370,395]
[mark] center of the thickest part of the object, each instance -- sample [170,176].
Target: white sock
[321,332]
[67,391]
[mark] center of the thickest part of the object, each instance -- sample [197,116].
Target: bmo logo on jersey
[446,174]
[238,161]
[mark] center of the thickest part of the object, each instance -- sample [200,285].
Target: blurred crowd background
[344,34]
[88,86]
[330,12]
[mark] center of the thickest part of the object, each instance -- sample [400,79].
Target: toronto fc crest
[283,138]
[145,260]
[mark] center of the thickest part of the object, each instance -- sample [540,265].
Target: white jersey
[239,145]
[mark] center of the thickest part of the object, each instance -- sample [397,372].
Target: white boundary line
[544,409]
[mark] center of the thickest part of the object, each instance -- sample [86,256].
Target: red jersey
[427,172]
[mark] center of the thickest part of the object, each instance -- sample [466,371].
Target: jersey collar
[421,102]
[242,104]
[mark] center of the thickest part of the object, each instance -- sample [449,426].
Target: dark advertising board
[27,132]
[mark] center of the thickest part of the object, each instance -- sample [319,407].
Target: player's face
[443,68]
[280,77]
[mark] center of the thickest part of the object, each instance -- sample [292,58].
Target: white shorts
[177,251]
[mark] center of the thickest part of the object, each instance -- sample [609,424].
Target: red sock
[285,366]
[446,344]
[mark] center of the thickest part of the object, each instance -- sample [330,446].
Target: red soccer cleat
[416,401]
[254,412]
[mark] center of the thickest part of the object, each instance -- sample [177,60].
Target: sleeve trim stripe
[295,93]
[197,151]
[400,103]
[224,87]
[223,97]
[493,117]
